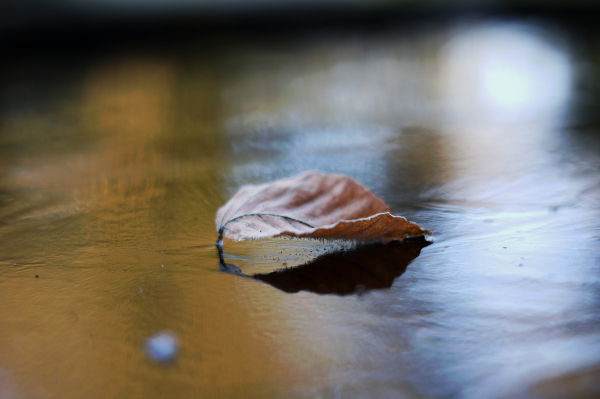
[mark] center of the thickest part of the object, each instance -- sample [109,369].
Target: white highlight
[505,73]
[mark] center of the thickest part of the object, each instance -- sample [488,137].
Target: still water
[112,167]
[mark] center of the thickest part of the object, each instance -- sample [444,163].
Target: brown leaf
[311,205]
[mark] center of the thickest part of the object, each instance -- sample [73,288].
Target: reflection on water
[417,162]
[108,193]
[344,272]
[349,272]
[506,73]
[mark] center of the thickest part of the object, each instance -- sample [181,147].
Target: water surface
[112,167]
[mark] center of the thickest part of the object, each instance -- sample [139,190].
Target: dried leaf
[311,205]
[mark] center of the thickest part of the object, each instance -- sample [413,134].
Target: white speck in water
[163,265]
[162,347]
[139,290]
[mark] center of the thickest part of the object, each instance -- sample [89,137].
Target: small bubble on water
[162,347]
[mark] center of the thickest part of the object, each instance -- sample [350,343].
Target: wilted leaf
[363,268]
[311,205]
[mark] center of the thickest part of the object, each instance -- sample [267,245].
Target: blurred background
[125,125]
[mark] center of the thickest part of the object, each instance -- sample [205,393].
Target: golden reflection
[124,104]
[117,250]
[128,100]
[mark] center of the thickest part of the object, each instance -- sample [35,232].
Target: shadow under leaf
[360,269]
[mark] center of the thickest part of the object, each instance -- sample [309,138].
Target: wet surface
[112,168]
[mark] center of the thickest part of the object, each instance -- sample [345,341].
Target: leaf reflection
[363,268]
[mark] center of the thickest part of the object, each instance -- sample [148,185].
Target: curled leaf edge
[304,235]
